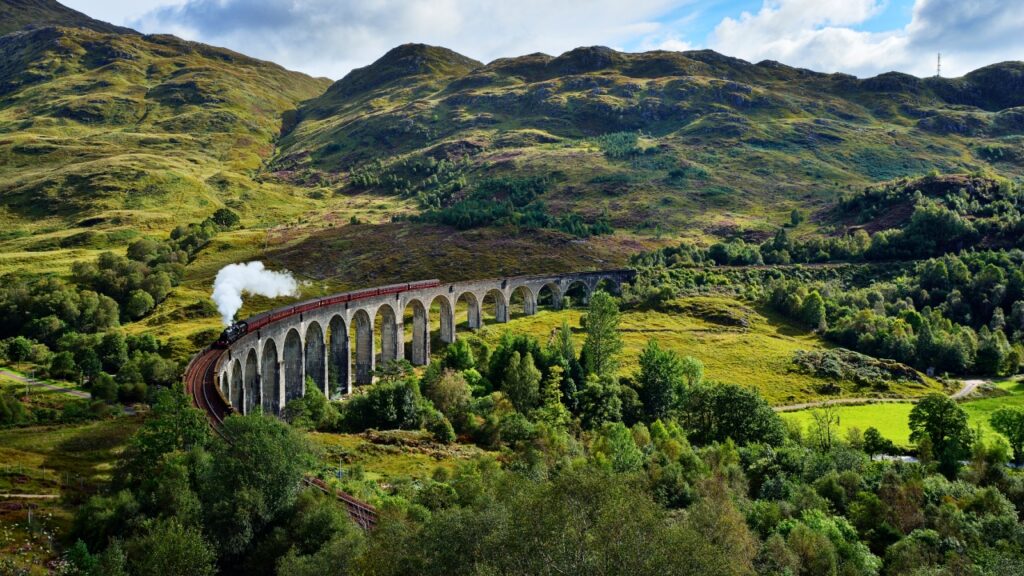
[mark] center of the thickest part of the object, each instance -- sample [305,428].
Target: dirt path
[968,388]
[43,385]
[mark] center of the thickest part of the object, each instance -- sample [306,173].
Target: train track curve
[202,389]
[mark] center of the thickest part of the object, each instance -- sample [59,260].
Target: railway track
[202,389]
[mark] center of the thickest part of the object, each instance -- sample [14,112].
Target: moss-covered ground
[738,344]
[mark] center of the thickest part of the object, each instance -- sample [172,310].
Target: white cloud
[118,11]
[669,41]
[330,37]
[818,34]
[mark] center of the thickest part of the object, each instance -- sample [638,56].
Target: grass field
[758,355]
[70,462]
[891,419]
[373,459]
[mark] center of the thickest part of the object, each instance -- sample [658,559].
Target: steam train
[232,333]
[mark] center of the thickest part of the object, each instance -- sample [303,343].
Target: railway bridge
[339,340]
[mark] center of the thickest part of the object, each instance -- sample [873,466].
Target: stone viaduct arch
[336,344]
[364,347]
[237,394]
[270,378]
[293,366]
[251,382]
[339,356]
[315,353]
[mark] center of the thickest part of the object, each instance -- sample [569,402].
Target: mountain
[686,143]
[573,160]
[127,130]
[22,14]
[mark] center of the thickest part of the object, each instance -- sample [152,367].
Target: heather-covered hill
[648,141]
[130,129]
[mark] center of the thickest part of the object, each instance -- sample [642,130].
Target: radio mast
[938,66]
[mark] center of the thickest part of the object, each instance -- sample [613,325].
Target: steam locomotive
[232,333]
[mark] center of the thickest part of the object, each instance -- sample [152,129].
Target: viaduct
[335,345]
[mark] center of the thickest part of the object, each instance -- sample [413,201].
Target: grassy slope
[891,419]
[112,135]
[71,461]
[758,140]
[104,137]
[411,455]
[760,356]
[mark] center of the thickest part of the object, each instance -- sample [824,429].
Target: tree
[522,382]
[89,362]
[139,304]
[157,285]
[104,387]
[659,382]
[941,420]
[63,366]
[564,345]
[552,411]
[451,395]
[113,351]
[826,419]
[572,371]
[19,349]
[716,412]
[1010,423]
[603,342]
[386,405]
[600,401]
[324,538]
[173,426]
[251,480]
[171,549]
[458,355]
[812,311]
[616,446]
[500,361]
[143,250]
[311,411]
[693,371]
[796,217]
[225,218]
[875,443]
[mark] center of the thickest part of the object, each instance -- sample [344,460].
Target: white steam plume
[251,277]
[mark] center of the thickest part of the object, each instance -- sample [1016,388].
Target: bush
[440,427]
[311,411]
[385,406]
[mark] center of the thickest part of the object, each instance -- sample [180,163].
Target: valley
[791,239]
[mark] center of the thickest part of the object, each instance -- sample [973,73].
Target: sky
[331,37]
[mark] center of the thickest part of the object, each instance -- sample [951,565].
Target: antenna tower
[938,66]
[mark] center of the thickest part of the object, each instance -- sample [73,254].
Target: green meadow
[737,343]
[891,419]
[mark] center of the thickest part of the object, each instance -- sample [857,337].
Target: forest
[662,472]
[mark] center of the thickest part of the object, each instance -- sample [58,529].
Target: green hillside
[646,142]
[427,163]
[101,133]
